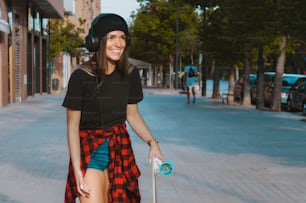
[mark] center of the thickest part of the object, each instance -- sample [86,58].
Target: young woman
[102,95]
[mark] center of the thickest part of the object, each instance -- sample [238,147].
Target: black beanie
[108,22]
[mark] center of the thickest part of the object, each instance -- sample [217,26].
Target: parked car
[288,81]
[297,96]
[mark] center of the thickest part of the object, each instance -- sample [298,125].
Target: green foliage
[154,31]
[65,36]
[228,28]
[232,27]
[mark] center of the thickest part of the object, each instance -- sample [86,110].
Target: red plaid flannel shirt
[123,171]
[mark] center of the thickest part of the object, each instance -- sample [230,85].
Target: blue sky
[121,7]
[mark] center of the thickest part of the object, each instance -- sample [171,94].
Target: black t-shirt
[107,107]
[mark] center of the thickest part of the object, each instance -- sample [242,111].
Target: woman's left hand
[155,152]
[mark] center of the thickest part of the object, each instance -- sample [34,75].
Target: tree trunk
[216,85]
[204,64]
[260,80]
[246,99]
[204,76]
[276,104]
[236,73]
[212,69]
[231,79]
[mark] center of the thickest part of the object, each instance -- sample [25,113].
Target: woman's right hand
[83,189]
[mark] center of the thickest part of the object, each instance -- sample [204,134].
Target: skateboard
[164,168]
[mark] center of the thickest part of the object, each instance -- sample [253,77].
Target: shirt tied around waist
[122,168]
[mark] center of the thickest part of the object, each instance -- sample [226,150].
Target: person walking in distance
[190,75]
[102,95]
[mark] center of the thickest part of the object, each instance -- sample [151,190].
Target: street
[222,153]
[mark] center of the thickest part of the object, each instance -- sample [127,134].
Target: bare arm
[137,123]
[73,123]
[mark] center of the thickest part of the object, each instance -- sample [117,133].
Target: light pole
[176,47]
[204,68]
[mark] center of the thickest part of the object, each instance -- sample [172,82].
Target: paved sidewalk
[222,153]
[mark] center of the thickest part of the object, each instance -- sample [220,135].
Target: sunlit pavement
[222,153]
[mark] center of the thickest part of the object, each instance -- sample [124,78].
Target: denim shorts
[100,157]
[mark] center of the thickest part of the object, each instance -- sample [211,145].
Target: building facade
[24,47]
[4,30]
[86,11]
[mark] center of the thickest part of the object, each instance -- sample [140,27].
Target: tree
[289,33]
[155,37]
[247,25]
[244,27]
[65,37]
[203,6]
[276,25]
[154,31]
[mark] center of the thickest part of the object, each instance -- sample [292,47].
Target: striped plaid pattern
[123,171]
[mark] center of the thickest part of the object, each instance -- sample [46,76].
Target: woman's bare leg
[98,182]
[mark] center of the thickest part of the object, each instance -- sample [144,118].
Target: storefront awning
[139,64]
[4,26]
